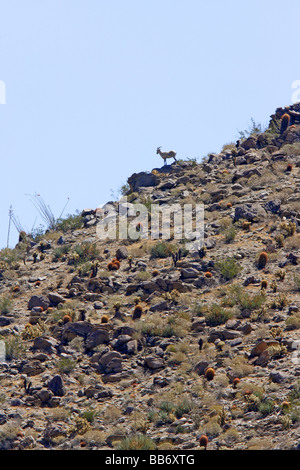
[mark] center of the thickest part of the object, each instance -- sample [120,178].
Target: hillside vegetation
[148,344]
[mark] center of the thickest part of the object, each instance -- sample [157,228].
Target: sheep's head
[158,149]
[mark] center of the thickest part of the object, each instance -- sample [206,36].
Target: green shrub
[183,407]
[70,222]
[217,315]
[10,258]
[254,129]
[294,394]
[293,322]
[143,276]
[297,283]
[59,252]
[162,250]
[238,297]
[229,234]
[167,406]
[84,252]
[66,365]
[229,268]
[266,407]
[14,348]
[89,415]
[137,442]
[6,304]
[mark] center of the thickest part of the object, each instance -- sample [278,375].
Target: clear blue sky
[94,86]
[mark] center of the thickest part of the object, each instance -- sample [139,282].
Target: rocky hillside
[122,344]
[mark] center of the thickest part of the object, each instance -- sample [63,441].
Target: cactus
[139,227]
[67,319]
[210,373]
[203,441]
[274,286]
[116,307]
[285,122]
[236,381]
[262,260]
[113,265]
[208,274]
[264,284]
[94,269]
[137,312]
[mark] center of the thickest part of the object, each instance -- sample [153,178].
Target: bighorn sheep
[166,155]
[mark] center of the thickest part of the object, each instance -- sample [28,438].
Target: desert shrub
[83,253]
[229,268]
[137,442]
[86,251]
[288,228]
[157,326]
[70,222]
[211,429]
[89,415]
[260,443]
[68,308]
[266,406]
[31,332]
[217,315]
[228,229]
[6,304]
[9,258]
[183,407]
[14,348]
[229,234]
[254,129]
[291,149]
[60,252]
[293,321]
[85,269]
[231,435]
[239,366]
[297,283]
[294,394]
[8,435]
[143,276]
[228,147]
[293,242]
[237,296]
[162,250]
[66,365]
